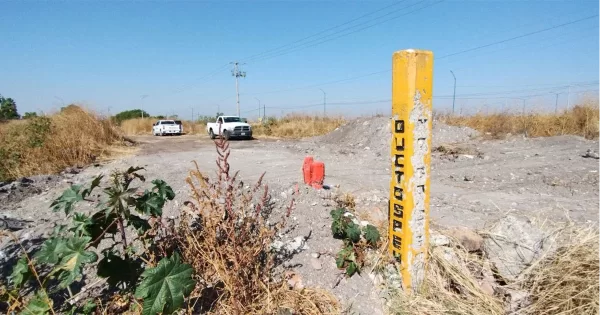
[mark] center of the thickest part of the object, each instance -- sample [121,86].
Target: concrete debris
[591,154]
[519,299]
[514,243]
[470,240]
[446,252]
[295,282]
[436,239]
[315,264]
[13,224]
[294,246]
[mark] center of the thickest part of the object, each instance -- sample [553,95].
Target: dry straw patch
[46,145]
[226,235]
[296,126]
[563,282]
[450,288]
[566,282]
[581,120]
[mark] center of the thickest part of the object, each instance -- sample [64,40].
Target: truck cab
[229,127]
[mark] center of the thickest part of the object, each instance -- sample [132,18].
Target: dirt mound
[374,134]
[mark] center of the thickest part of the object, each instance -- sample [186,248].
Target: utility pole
[453,95]
[258,107]
[264,112]
[237,74]
[556,102]
[324,102]
[569,98]
[142,104]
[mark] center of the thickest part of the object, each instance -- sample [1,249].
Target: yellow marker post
[412,75]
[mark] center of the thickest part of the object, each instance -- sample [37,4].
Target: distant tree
[159,117]
[130,114]
[8,109]
[219,114]
[29,115]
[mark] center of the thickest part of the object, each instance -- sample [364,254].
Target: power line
[516,37]
[543,39]
[322,32]
[321,84]
[525,90]
[437,58]
[202,79]
[316,42]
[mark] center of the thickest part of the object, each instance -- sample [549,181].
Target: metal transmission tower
[237,74]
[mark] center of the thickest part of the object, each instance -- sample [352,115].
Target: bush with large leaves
[61,259]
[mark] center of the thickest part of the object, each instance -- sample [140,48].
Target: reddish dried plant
[227,238]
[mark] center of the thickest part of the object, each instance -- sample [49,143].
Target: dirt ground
[474,182]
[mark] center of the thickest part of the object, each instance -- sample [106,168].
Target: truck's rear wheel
[211,134]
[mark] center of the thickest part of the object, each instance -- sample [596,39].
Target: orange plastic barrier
[306,169]
[317,174]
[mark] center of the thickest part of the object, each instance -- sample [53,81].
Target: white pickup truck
[229,127]
[167,127]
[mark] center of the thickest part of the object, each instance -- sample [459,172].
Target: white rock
[439,240]
[514,244]
[316,264]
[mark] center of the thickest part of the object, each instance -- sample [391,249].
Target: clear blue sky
[109,54]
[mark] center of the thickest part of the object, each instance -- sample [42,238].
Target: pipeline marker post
[412,75]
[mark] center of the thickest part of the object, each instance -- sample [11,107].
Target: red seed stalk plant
[227,237]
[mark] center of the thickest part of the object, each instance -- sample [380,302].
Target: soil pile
[374,134]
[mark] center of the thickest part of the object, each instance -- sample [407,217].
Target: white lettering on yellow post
[412,75]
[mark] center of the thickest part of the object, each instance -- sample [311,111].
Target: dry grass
[563,282]
[566,282]
[143,126]
[227,238]
[296,126]
[47,145]
[450,288]
[581,120]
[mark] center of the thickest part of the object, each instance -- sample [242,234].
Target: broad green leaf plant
[60,261]
[350,257]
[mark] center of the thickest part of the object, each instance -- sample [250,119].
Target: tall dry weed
[227,237]
[296,126]
[49,144]
[581,120]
